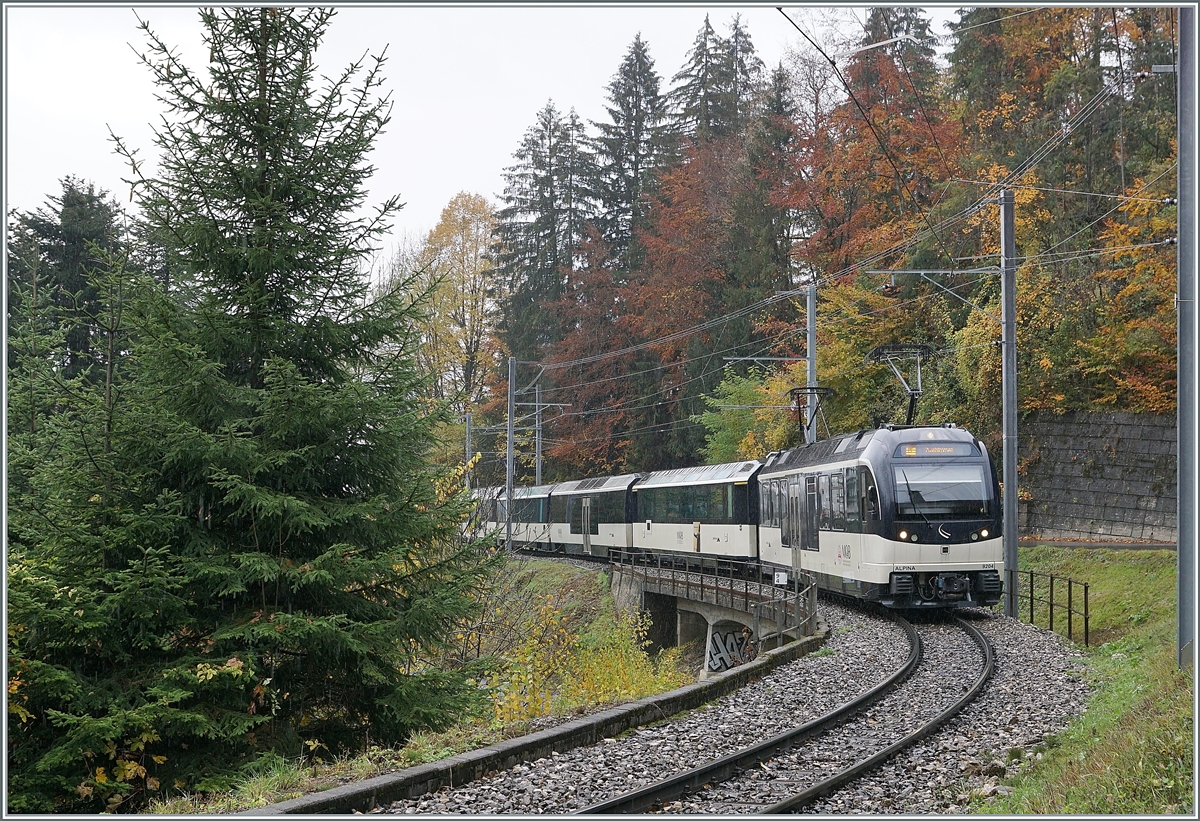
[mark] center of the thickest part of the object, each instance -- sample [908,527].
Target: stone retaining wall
[1098,475]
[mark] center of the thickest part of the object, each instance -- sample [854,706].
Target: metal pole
[810,428]
[508,481]
[1185,476]
[1008,288]
[537,435]
[467,476]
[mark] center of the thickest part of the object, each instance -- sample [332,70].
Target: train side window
[853,512]
[837,497]
[575,514]
[558,508]
[826,502]
[764,503]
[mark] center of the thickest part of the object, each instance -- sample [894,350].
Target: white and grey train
[906,516]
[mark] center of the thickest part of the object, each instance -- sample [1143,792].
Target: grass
[1132,751]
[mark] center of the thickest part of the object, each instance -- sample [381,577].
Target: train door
[586,502]
[795,506]
[812,533]
[854,526]
[790,526]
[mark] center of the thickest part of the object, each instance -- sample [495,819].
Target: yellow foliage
[235,668]
[553,671]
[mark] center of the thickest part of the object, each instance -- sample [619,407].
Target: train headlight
[983,534]
[903,535]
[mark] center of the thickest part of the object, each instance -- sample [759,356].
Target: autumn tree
[454,263]
[591,437]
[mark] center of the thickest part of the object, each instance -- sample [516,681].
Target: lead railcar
[904,516]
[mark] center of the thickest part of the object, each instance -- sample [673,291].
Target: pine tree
[243,549]
[547,203]
[718,85]
[631,150]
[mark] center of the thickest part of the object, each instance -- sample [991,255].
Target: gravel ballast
[1036,690]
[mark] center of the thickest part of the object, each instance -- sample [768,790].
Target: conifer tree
[694,100]
[547,202]
[718,86]
[631,150]
[67,233]
[242,547]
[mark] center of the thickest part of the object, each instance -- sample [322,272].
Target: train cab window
[955,490]
[837,497]
[826,518]
[870,495]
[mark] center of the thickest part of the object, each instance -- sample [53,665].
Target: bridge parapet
[720,591]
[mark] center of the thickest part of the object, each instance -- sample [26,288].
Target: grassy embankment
[1132,751]
[562,649]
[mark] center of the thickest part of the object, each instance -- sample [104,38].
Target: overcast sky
[466,82]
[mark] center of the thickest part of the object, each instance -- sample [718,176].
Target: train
[906,516]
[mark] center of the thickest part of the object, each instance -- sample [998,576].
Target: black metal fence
[1045,598]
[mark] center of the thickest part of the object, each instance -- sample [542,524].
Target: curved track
[793,769]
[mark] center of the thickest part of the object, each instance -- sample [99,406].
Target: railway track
[948,665]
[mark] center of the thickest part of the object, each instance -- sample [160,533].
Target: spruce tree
[548,200]
[694,99]
[631,150]
[718,86]
[68,232]
[243,548]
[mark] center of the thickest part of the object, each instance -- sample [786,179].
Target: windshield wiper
[913,499]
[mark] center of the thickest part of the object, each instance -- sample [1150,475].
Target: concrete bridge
[726,605]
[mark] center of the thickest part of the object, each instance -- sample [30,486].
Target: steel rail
[640,800]
[834,782]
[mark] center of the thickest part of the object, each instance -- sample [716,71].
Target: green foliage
[605,662]
[745,420]
[229,540]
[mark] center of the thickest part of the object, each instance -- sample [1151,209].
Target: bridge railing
[738,584]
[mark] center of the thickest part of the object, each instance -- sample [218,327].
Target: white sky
[466,83]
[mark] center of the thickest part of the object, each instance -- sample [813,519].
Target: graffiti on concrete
[726,650]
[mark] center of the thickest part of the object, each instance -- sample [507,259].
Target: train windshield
[942,491]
